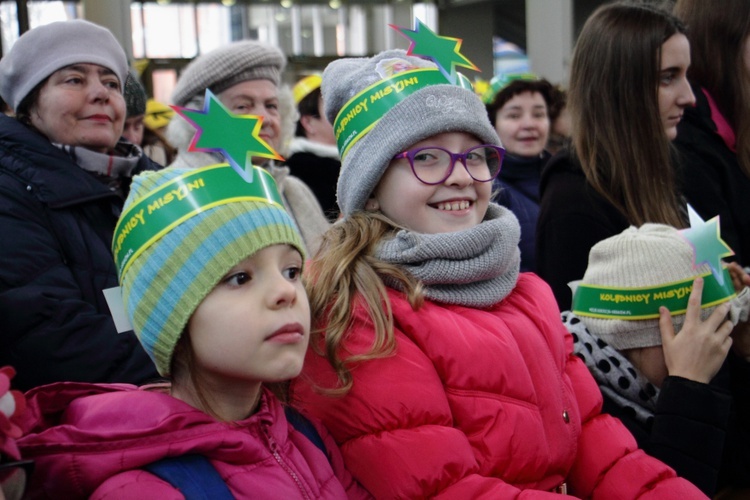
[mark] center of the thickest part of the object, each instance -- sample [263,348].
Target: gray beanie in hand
[432,110]
[227,66]
[649,256]
[41,51]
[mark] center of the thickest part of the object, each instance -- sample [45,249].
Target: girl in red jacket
[210,268]
[440,370]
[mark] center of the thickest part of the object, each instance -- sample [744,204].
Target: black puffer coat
[56,225]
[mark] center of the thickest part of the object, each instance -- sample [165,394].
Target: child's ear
[372,205]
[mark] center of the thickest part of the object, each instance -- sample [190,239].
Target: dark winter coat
[56,225]
[573,217]
[518,190]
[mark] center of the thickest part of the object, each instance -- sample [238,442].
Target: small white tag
[117,309]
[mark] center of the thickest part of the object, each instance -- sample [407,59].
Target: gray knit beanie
[41,51]
[135,96]
[432,110]
[229,65]
[649,256]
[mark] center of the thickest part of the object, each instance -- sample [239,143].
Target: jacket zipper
[274,450]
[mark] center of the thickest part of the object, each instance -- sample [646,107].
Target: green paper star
[235,136]
[443,50]
[706,241]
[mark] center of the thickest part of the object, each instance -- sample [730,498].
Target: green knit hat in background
[181,231]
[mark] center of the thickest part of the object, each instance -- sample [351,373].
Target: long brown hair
[345,274]
[617,133]
[717,33]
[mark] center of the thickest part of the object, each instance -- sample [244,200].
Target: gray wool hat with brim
[43,50]
[646,256]
[429,111]
[227,66]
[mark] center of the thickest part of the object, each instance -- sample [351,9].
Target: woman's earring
[372,205]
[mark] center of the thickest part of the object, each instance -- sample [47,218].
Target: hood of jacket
[80,435]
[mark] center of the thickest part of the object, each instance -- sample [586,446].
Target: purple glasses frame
[455,157]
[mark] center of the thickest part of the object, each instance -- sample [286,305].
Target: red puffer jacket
[481,404]
[94,440]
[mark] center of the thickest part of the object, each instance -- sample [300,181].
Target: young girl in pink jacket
[210,267]
[440,371]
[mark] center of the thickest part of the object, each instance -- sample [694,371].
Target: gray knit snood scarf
[476,267]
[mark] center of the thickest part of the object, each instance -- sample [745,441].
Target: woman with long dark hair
[628,90]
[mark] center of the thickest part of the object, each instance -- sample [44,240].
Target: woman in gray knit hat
[640,287]
[439,369]
[245,77]
[64,173]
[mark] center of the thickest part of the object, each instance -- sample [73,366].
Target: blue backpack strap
[303,425]
[193,475]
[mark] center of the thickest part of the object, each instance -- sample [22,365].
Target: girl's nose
[282,293]
[459,176]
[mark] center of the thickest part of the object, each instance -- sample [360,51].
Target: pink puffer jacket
[94,440]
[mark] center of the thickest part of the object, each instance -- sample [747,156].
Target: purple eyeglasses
[433,165]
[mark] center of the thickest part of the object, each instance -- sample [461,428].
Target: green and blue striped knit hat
[180,232]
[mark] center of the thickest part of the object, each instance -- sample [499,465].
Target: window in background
[40,13]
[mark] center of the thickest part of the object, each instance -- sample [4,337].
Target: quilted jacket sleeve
[609,463]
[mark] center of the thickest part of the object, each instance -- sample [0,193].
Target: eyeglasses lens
[483,163]
[431,164]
